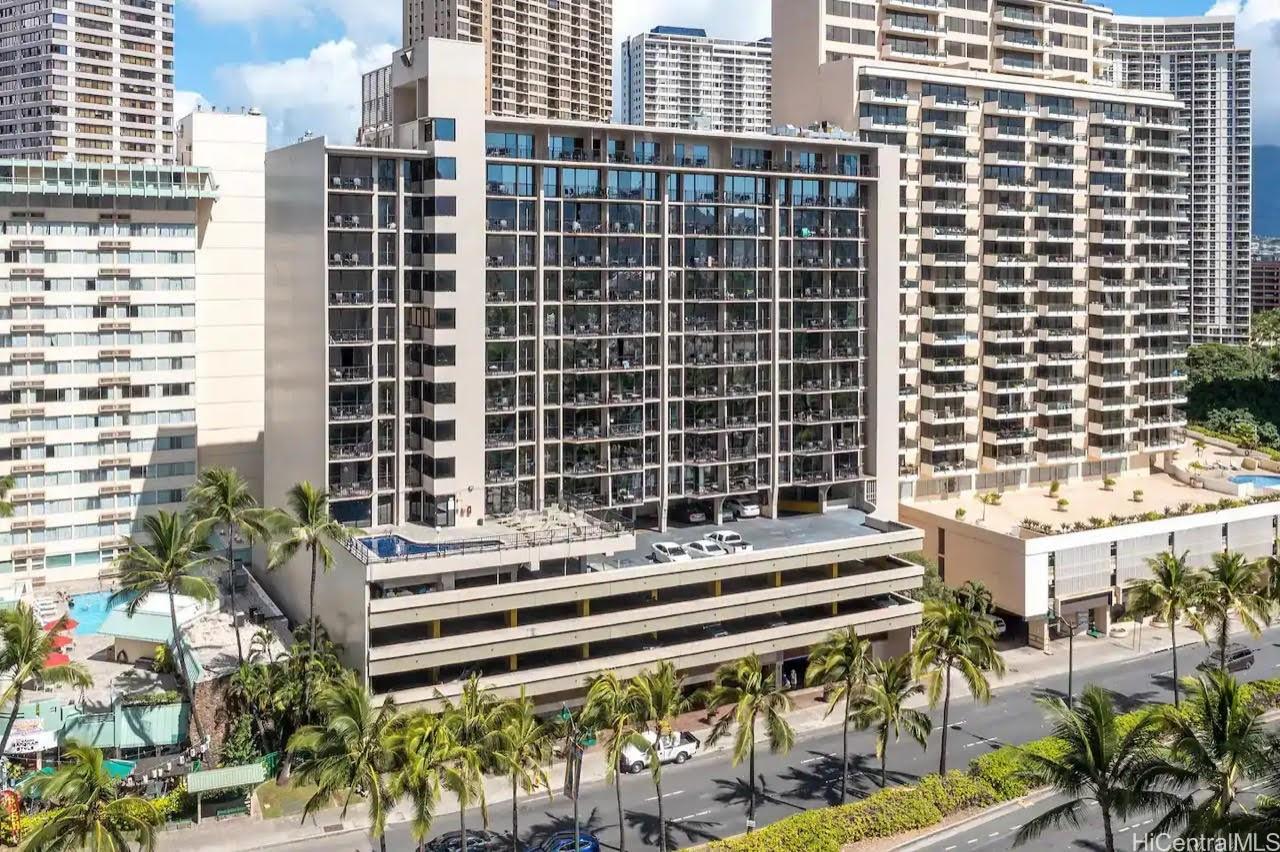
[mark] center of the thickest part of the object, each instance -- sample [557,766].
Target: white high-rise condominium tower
[1197,59]
[680,77]
[90,81]
[1042,336]
[543,58]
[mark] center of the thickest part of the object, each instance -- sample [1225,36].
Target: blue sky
[300,60]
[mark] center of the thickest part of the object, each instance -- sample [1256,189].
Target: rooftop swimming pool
[399,547]
[89,610]
[1259,480]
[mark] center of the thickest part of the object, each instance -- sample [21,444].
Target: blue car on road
[563,842]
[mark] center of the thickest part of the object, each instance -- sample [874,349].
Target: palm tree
[659,698]
[222,494]
[954,637]
[991,498]
[975,595]
[610,706]
[1172,592]
[177,549]
[26,647]
[348,753]
[89,812]
[883,705]
[1122,773]
[1214,744]
[421,749]
[307,525]
[473,724]
[742,694]
[841,663]
[1234,586]
[523,747]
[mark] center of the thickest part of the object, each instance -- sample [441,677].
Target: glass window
[443,129]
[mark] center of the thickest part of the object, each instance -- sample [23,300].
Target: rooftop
[1089,499]
[762,533]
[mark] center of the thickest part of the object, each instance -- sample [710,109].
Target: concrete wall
[230,293]
[296,410]
[883,282]
[1017,570]
[797,53]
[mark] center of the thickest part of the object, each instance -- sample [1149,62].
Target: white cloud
[319,92]
[185,102]
[364,21]
[740,19]
[1258,28]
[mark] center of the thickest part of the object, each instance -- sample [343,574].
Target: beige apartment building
[1042,334]
[120,285]
[90,81]
[543,58]
[670,320]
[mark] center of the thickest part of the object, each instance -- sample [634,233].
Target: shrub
[957,792]
[1054,488]
[1002,768]
[1265,693]
[1137,495]
[960,513]
[151,699]
[891,811]
[1063,503]
[811,831]
[1108,482]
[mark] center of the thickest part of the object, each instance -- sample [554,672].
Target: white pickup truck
[674,748]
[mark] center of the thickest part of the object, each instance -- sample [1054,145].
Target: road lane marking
[994,834]
[974,840]
[692,816]
[665,796]
[814,759]
[948,849]
[981,741]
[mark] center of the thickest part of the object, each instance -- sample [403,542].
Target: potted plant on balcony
[1137,495]
[960,513]
[1108,483]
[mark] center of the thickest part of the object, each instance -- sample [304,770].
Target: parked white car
[669,551]
[742,507]
[674,748]
[731,541]
[702,549]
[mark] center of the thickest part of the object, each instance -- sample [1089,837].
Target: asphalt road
[707,798]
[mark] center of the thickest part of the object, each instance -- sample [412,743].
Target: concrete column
[584,607]
[715,588]
[1101,618]
[897,642]
[835,574]
[1038,633]
[435,629]
[777,579]
[717,510]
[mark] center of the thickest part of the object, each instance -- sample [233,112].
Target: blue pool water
[90,610]
[393,546]
[1261,480]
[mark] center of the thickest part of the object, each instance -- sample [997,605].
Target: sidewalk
[1023,664]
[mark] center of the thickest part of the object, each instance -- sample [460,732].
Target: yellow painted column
[777,579]
[715,588]
[513,619]
[584,610]
[435,629]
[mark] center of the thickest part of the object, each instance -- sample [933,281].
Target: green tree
[421,747]
[1172,592]
[1122,773]
[88,811]
[523,747]
[7,484]
[26,647]
[1216,742]
[1265,328]
[348,754]
[1234,586]
[954,638]
[742,695]
[307,525]
[1245,435]
[169,561]
[991,498]
[610,706]
[474,723]
[884,705]
[841,663]
[659,698]
[221,494]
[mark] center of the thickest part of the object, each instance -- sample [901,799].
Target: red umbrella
[61,640]
[62,624]
[56,659]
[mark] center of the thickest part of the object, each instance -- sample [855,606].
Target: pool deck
[211,636]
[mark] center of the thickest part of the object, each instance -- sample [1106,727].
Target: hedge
[992,778]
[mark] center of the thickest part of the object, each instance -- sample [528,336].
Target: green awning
[227,777]
[142,626]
